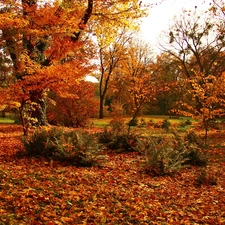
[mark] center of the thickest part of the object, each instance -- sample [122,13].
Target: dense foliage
[77,148]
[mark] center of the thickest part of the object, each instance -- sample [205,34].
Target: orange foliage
[48,45]
[74,109]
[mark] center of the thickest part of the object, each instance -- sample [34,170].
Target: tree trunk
[206,126]
[101,107]
[23,122]
[135,115]
[39,108]
[3,113]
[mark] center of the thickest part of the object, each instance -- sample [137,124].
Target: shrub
[143,122]
[73,110]
[150,123]
[188,122]
[195,157]
[105,136]
[192,137]
[162,156]
[167,155]
[75,147]
[39,142]
[158,124]
[118,138]
[213,124]
[182,124]
[205,178]
[185,123]
[123,142]
[117,124]
[79,148]
[166,124]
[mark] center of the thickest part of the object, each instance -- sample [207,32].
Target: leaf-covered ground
[36,191]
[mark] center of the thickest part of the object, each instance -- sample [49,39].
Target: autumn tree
[5,70]
[41,47]
[45,42]
[168,82]
[218,9]
[110,55]
[135,75]
[73,110]
[5,78]
[198,47]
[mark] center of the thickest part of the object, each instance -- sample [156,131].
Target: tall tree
[168,82]
[135,73]
[198,46]
[45,42]
[6,78]
[110,55]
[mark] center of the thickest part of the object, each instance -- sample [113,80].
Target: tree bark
[39,109]
[101,107]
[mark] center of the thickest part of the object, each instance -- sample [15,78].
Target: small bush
[78,148]
[73,109]
[118,139]
[105,136]
[205,178]
[143,122]
[195,157]
[162,156]
[168,155]
[192,137]
[123,142]
[166,124]
[158,124]
[214,124]
[117,124]
[188,122]
[39,142]
[182,125]
[185,123]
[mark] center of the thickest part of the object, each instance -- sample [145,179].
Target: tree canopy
[50,47]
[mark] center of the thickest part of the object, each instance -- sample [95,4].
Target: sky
[161,16]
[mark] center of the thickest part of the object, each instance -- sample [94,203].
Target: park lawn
[6,121]
[154,118]
[39,191]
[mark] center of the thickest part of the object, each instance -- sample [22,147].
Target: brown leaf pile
[36,191]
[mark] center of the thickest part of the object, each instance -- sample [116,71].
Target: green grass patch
[101,123]
[6,120]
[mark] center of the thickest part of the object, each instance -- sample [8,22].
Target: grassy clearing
[175,121]
[6,121]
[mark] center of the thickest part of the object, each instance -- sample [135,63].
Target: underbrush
[117,137]
[164,154]
[120,142]
[167,155]
[207,178]
[75,147]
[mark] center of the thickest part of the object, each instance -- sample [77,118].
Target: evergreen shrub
[75,147]
[168,154]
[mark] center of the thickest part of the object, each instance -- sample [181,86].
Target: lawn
[118,191]
[103,122]
[6,120]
